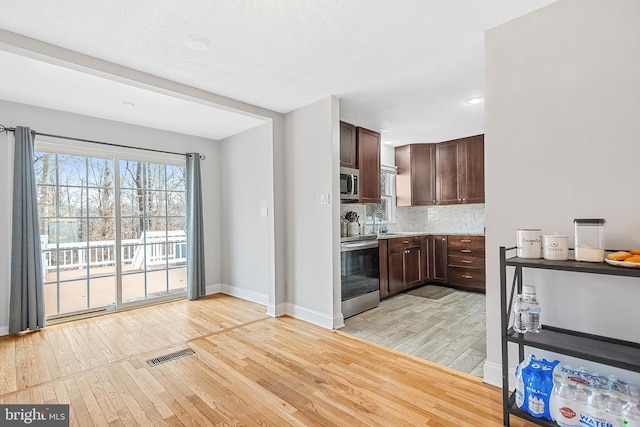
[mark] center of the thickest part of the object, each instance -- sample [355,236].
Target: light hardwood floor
[248,369]
[449,331]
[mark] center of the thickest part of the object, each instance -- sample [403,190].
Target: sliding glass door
[152,229]
[112,229]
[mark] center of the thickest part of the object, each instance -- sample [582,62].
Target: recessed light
[473,101]
[129,104]
[197,43]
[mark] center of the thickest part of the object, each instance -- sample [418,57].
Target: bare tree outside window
[77,203]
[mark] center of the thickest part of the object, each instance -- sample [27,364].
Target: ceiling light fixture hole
[474,101]
[197,43]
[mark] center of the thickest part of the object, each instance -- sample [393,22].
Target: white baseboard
[493,374]
[4,330]
[216,288]
[277,310]
[281,309]
[310,316]
[338,321]
[245,294]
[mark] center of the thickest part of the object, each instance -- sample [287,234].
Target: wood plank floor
[248,369]
[449,331]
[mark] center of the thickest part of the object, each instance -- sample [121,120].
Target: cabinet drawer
[405,242]
[466,252]
[465,261]
[466,241]
[467,277]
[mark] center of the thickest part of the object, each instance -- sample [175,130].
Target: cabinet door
[447,173]
[423,174]
[471,169]
[438,256]
[384,268]
[396,271]
[368,143]
[348,149]
[413,262]
[404,176]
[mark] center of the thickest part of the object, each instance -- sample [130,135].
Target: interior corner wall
[247,214]
[561,141]
[78,126]
[311,163]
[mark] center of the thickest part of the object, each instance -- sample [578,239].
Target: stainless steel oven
[360,276]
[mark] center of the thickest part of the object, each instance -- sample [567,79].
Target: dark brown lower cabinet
[466,263]
[406,263]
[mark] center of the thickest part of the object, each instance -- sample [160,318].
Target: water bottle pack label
[580,398]
[537,378]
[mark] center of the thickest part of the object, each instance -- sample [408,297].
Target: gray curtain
[26,305]
[196,283]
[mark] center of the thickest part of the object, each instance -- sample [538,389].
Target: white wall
[77,126]
[247,234]
[312,245]
[387,155]
[561,142]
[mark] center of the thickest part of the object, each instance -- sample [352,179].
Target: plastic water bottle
[560,404]
[631,411]
[631,414]
[520,314]
[581,399]
[614,407]
[597,407]
[519,387]
[532,310]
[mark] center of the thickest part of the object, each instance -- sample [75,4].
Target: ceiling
[404,68]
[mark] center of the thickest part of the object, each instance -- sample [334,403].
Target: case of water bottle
[577,397]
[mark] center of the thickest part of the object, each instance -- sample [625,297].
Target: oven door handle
[346,247]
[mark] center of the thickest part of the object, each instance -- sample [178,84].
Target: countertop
[398,234]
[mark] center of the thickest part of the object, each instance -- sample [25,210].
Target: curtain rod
[6,129]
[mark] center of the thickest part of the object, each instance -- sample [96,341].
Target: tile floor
[450,331]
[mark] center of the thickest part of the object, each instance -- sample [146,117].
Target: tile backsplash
[446,219]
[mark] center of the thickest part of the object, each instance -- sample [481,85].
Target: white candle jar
[529,242]
[555,247]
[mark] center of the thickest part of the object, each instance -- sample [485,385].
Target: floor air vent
[171,356]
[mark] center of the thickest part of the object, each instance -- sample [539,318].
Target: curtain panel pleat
[26,306]
[196,283]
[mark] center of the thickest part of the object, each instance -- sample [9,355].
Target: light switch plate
[264,211]
[324,198]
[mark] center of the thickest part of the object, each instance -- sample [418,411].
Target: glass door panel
[112,231]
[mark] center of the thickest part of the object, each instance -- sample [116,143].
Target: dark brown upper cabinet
[416,179]
[368,147]
[447,159]
[460,171]
[348,147]
[445,173]
[360,149]
[471,169]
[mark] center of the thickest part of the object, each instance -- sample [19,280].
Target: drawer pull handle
[465,240]
[465,251]
[466,261]
[406,242]
[467,276]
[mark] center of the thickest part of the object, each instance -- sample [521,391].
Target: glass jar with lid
[589,239]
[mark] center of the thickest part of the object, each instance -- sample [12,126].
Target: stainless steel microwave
[349,184]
